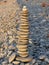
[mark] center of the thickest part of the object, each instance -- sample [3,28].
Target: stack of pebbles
[23,37]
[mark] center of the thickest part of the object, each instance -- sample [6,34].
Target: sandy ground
[8,17]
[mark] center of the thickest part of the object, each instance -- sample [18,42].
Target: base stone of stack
[27,59]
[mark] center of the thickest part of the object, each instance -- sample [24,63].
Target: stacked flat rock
[23,36]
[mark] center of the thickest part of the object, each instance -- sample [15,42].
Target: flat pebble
[12,57]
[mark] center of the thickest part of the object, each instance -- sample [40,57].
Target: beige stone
[21,38]
[11,40]
[25,9]
[23,53]
[22,50]
[24,17]
[24,33]
[24,26]
[21,46]
[22,43]
[22,20]
[16,62]
[24,36]
[27,59]
[12,57]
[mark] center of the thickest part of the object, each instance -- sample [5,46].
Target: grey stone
[10,64]
[36,64]
[47,60]
[4,63]
[22,64]
[33,61]
[42,57]
[9,53]
[27,64]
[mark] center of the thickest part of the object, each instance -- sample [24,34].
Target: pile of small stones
[8,56]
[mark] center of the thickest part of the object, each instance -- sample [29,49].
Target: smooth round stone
[24,13]
[24,20]
[22,43]
[24,17]
[27,59]
[24,9]
[23,34]
[21,38]
[21,46]
[16,62]
[24,26]
[21,29]
[23,53]
[25,30]
[26,55]
[22,50]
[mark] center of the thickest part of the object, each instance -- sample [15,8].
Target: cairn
[23,34]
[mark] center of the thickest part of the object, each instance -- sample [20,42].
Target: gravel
[38,38]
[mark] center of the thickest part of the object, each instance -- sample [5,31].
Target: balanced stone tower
[23,36]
